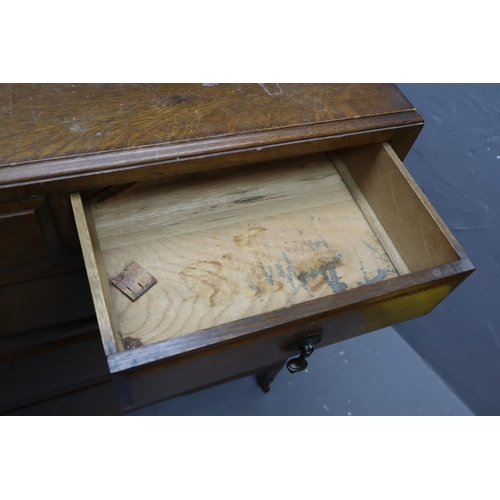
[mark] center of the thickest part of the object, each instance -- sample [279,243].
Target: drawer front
[254,354]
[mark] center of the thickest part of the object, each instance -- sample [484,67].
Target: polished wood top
[54,130]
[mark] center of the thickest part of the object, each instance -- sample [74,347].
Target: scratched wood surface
[224,247]
[47,121]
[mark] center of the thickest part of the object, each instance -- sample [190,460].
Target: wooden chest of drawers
[265,212]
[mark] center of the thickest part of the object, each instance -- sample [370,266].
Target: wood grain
[369,214]
[48,121]
[77,137]
[227,247]
[98,279]
[403,210]
[107,169]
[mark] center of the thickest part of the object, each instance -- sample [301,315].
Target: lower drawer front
[253,354]
[53,369]
[44,302]
[94,400]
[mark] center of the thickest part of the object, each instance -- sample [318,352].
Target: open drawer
[261,255]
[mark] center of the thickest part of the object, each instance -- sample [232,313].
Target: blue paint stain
[290,272]
[375,250]
[327,271]
[314,245]
[268,274]
[280,269]
[380,276]
[252,286]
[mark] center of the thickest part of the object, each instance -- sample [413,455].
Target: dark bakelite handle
[306,346]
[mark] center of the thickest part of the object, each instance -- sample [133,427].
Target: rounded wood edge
[58,168]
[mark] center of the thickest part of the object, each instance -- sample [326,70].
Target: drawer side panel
[98,279]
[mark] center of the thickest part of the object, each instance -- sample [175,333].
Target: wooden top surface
[74,128]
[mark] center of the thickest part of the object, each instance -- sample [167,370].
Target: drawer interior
[238,243]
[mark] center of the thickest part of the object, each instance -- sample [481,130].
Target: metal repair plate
[133,281]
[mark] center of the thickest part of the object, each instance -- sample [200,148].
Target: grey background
[456,162]
[375,374]
[446,363]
